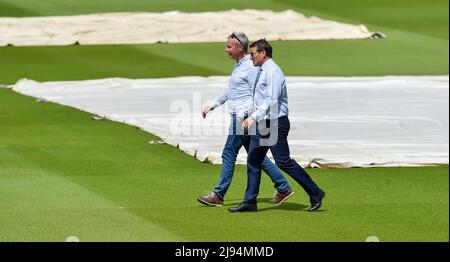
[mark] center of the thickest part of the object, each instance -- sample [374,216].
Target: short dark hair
[262,45]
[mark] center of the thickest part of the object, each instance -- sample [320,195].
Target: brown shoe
[210,199]
[279,198]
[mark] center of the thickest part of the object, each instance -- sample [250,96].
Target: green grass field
[417,42]
[63,174]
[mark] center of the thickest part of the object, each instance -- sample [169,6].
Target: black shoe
[316,201]
[244,207]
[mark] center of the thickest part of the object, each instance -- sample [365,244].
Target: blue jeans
[230,151]
[280,152]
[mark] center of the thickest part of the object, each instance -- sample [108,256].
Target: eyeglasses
[233,35]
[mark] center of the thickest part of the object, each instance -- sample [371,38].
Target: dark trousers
[281,154]
[230,151]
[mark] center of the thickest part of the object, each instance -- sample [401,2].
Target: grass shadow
[286,206]
[283,206]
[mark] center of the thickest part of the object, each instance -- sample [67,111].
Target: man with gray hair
[239,95]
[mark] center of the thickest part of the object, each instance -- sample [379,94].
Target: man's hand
[205,111]
[248,123]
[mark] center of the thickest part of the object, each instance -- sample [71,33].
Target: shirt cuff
[213,105]
[255,116]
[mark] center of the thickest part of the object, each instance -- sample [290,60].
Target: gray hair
[241,38]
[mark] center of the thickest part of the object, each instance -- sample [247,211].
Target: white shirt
[270,99]
[239,92]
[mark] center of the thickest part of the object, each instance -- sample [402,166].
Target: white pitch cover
[336,122]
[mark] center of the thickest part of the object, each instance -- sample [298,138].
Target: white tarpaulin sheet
[335,121]
[171,27]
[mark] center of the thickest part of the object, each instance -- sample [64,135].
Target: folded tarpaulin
[171,27]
